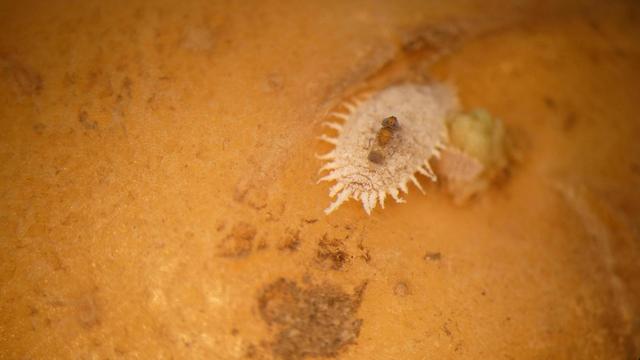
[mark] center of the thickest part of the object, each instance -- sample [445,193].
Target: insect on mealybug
[365,163]
[389,126]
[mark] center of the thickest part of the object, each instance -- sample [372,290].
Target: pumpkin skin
[159,193]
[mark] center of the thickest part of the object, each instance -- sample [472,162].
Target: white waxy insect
[420,110]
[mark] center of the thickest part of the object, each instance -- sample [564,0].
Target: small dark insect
[384,136]
[375,157]
[390,123]
[390,126]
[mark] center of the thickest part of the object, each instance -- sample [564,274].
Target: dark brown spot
[446,330]
[366,255]
[29,81]
[251,351]
[39,128]
[569,121]
[262,245]
[432,38]
[375,157]
[594,26]
[550,103]
[239,241]
[390,123]
[291,241]
[316,321]
[86,123]
[331,253]
[432,256]
[126,88]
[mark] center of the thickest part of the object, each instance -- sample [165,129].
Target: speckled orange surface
[158,195]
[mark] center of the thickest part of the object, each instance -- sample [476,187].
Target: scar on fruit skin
[385,139]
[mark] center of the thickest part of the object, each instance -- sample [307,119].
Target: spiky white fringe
[421,111]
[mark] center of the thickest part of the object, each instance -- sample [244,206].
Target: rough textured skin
[421,111]
[319,321]
[157,174]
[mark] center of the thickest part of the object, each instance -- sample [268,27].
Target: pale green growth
[481,136]
[476,154]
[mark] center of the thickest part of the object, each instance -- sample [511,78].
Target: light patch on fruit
[476,155]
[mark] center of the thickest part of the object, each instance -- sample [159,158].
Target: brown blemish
[550,103]
[366,255]
[125,93]
[122,102]
[291,241]
[446,330]
[251,351]
[119,350]
[401,289]
[569,121]
[273,83]
[316,321]
[451,330]
[432,256]
[595,26]
[88,312]
[39,128]
[331,253]
[220,225]
[87,124]
[249,194]
[262,245]
[28,82]
[239,242]
[431,39]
